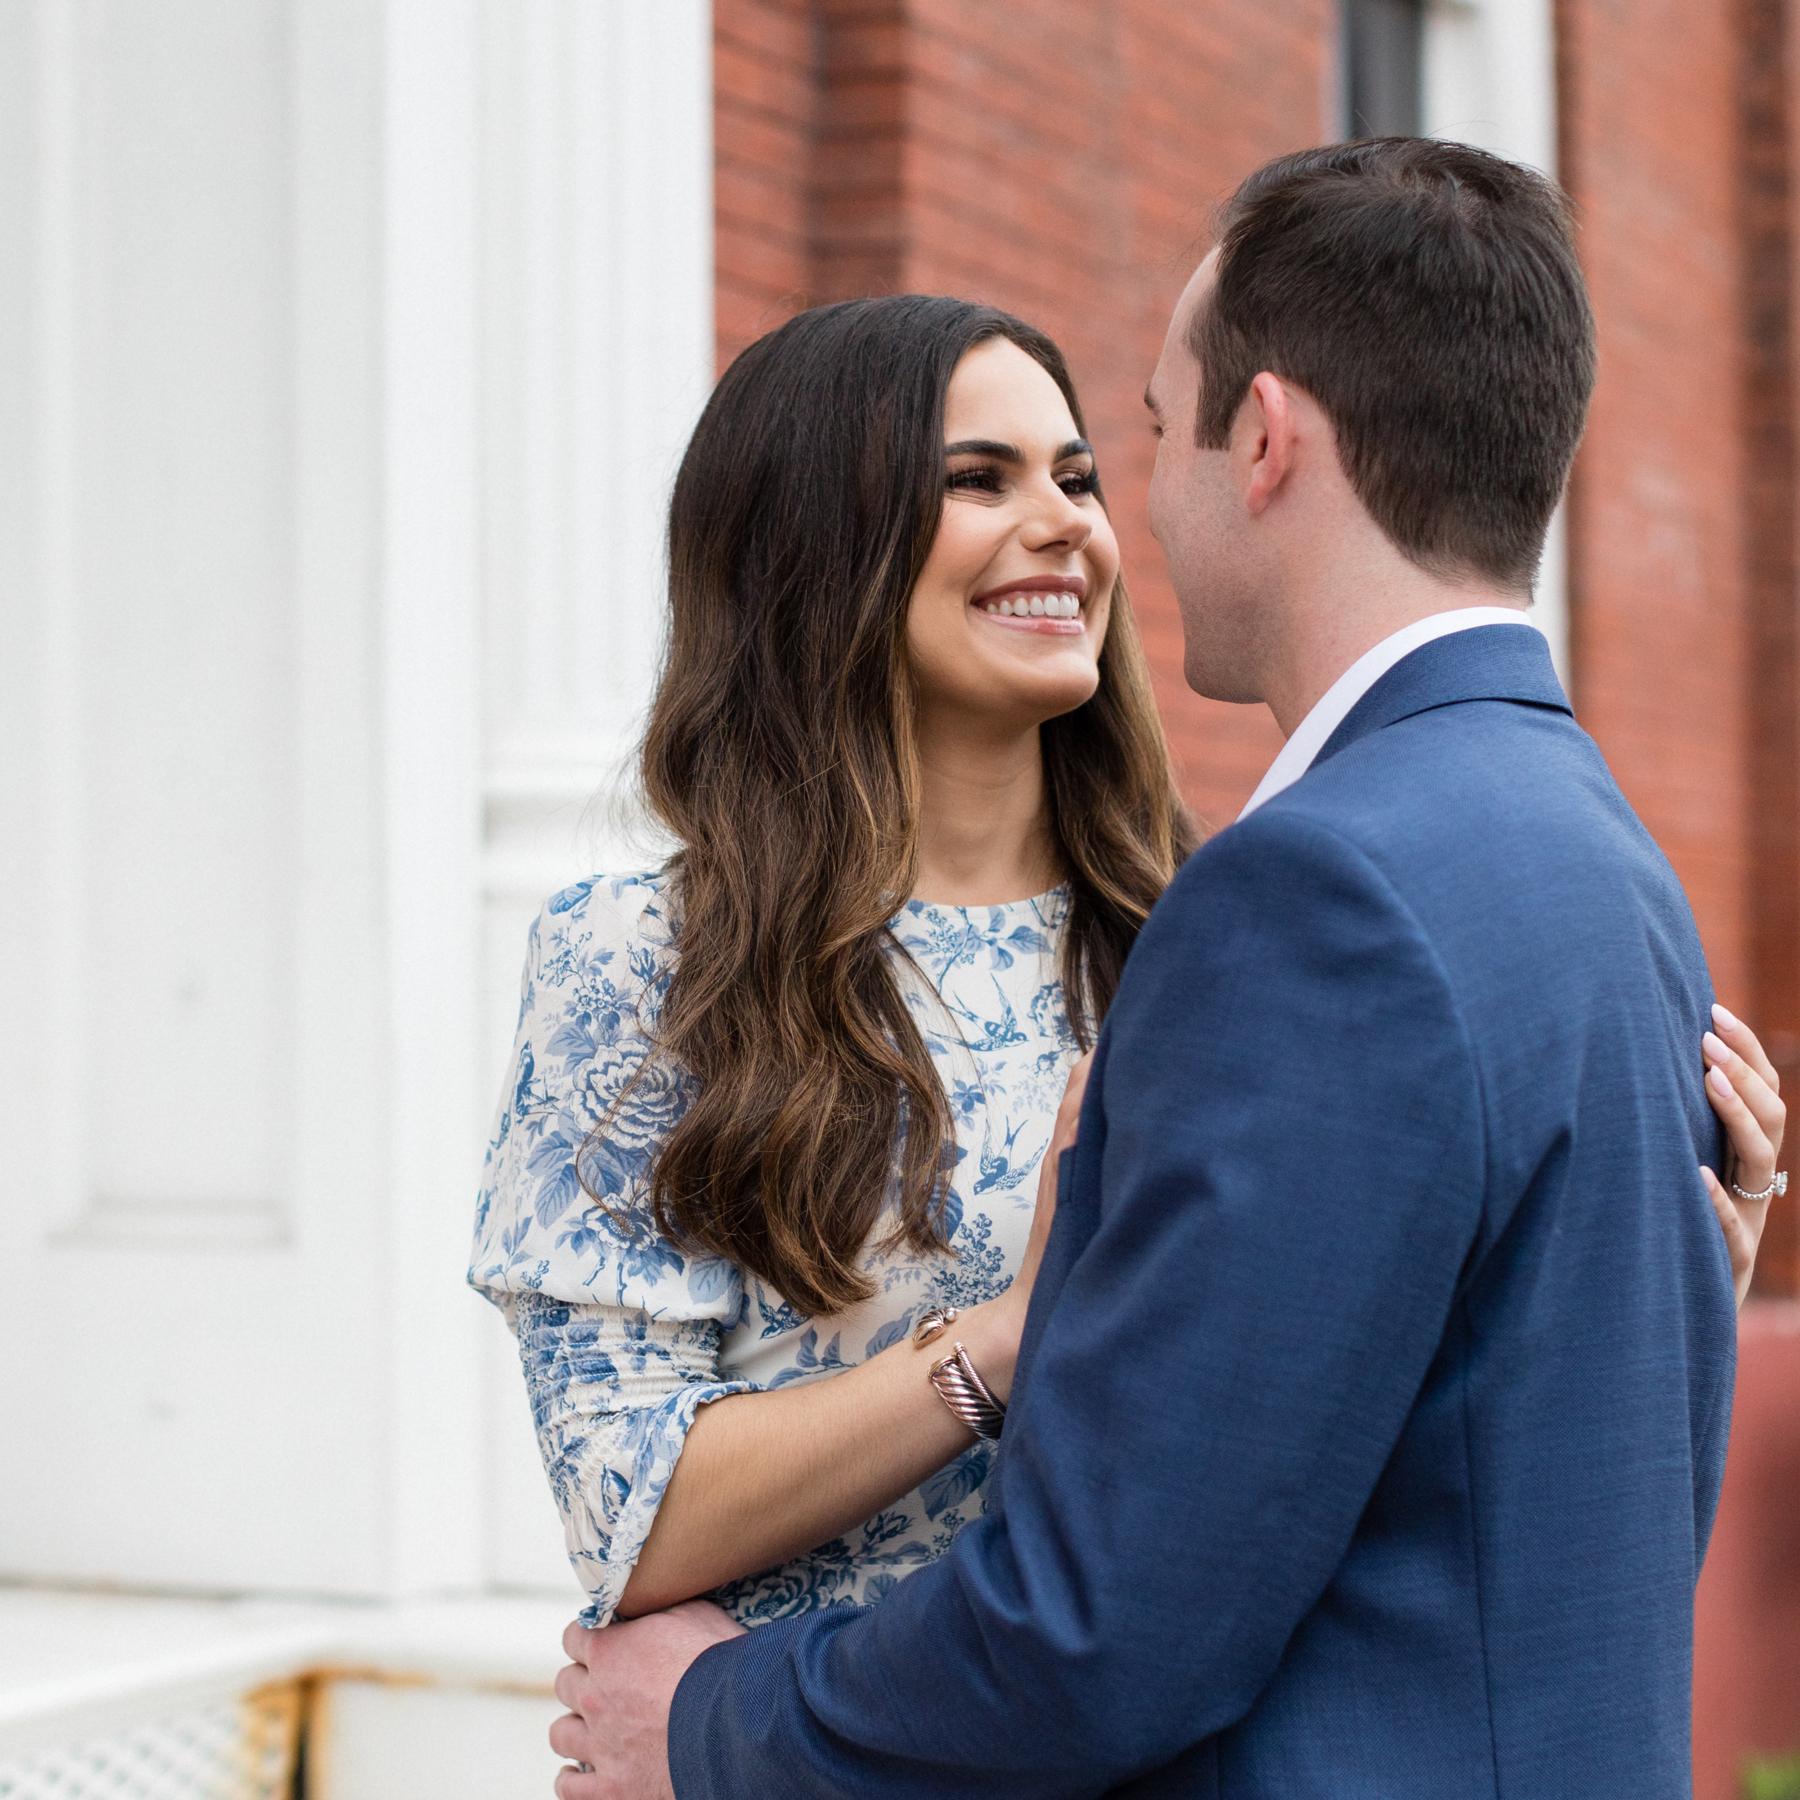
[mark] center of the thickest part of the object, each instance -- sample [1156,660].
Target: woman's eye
[986,481]
[989,481]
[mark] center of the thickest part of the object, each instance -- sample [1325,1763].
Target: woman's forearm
[764,1477]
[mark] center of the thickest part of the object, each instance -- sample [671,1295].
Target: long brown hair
[780,754]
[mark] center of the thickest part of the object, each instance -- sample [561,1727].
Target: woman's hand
[1745,1092]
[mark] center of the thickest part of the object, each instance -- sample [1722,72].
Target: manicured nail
[1724,1020]
[1714,1047]
[1720,1086]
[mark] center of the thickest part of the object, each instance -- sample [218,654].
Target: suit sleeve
[1288,1135]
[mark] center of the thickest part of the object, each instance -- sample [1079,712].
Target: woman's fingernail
[1720,1086]
[1714,1047]
[1724,1020]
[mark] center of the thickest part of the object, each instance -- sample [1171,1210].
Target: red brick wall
[765,109]
[1060,159]
[1660,598]
[1683,584]
[1747,1619]
[1769,116]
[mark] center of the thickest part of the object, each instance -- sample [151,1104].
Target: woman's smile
[1050,605]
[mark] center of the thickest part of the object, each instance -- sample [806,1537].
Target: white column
[429,573]
[598,350]
[597,354]
[1490,80]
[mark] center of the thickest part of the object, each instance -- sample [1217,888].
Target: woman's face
[1006,622]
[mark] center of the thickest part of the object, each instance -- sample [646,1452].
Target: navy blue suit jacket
[1372,1405]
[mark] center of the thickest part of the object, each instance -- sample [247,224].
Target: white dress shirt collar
[1335,704]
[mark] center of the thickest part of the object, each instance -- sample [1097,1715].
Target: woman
[774,1102]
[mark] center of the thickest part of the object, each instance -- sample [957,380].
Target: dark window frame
[1381,48]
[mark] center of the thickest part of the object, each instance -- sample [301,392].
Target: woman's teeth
[1036,606]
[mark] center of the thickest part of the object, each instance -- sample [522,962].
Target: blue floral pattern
[623,1338]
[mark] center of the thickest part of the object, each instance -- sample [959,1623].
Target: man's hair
[1427,296]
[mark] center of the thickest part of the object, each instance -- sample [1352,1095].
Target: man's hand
[618,1687]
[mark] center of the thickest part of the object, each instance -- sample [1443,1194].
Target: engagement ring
[1776,1188]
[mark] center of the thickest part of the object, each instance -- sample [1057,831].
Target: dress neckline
[1038,902]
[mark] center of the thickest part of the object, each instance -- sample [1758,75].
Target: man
[1371,1412]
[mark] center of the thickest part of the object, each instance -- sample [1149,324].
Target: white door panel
[189,1027]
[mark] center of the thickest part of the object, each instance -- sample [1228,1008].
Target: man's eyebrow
[1010,452]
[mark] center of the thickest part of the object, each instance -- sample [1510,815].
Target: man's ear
[1267,421]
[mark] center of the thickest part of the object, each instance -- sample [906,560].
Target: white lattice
[235,1749]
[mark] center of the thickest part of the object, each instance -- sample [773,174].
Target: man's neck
[1315,659]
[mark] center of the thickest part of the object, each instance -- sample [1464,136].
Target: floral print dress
[623,1337]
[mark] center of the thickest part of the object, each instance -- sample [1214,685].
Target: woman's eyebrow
[1010,452]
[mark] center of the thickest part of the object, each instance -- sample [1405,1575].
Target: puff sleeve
[618,1329]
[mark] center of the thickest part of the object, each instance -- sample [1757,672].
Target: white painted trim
[57,608]
[201,1225]
[74,1665]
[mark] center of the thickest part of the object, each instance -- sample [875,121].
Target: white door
[269,799]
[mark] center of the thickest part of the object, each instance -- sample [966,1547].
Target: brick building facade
[1060,159]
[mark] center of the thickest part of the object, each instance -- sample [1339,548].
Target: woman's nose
[1058,520]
